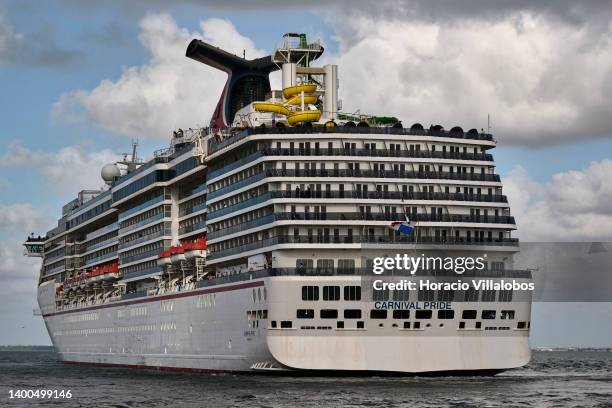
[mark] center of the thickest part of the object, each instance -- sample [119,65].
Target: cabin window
[488,314]
[380,295]
[406,325]
[378,314]
[305,314]
[352,314]
[347,266]
[331,292]
[507,315]
[310,293]
[360,325]
[423,314]
[521,325]
[340,325]
[446,314]
[416,325]
[329,314]
[286,324]
[401,295]
[325,266]
[462,325]
[401,314]
[304,266]
[352,293]
[469,314]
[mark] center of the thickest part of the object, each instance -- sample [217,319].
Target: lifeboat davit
[195,249]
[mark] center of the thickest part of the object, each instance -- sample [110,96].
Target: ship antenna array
[132,162]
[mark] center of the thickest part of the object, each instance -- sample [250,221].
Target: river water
[552,379]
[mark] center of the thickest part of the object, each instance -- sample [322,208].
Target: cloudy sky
[81,80]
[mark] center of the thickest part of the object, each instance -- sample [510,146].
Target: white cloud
[69,169]
[19,275]
[21,215]
[167,92]
[542,79]
[573,206]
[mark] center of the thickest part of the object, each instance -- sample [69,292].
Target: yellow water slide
[289,108]
[272,107]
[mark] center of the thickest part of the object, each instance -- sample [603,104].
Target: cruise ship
[246,246]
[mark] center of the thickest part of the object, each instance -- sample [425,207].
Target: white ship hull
[219,329]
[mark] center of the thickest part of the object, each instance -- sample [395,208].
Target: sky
[81,80]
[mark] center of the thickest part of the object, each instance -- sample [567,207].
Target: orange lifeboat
[110,271]
[164,258]
[177,254]
[95,274]
[196,248]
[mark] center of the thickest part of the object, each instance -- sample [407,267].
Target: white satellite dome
[110,172]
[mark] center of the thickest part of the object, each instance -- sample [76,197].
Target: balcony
[377,195]
[125,214]
[229,167]
[228,141]
[359,239]
[101,244]
[193,227]
[184,194]
[106,257]
[146,221]
[136,257]
[268,219]
[52,258]
[54,270]
[235,186]
[391,195]
[271,272]
[145,238]
[424,175]
[186,210]
[239,206]
[369,153]
[99,232]
[142,272]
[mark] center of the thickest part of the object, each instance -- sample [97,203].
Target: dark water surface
[552,379]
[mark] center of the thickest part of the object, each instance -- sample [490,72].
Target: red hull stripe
[164,297]
[146,367]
